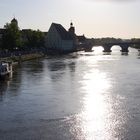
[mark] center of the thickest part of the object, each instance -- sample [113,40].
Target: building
[60,40]
[14,21]
[81,39]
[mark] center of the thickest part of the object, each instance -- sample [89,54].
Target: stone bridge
[107,46]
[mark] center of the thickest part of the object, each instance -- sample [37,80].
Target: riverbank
[22,58]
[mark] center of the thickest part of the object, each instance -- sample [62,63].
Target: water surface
[80,96]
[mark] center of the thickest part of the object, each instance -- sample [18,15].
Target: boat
[5,69]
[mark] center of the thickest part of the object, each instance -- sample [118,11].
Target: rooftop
[65,35]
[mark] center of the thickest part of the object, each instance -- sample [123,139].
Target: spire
[71,24]
[72,29]
[14,21]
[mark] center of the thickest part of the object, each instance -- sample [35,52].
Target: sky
[93,18]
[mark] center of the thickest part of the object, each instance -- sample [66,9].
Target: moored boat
[5,69]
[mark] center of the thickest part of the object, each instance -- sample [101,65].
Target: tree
[0,43]
[137,41]
[11,39]
[33,39]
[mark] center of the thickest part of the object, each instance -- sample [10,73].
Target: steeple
[71,24]
[14,21]
[72,29]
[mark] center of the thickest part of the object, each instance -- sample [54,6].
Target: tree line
[15,39]
[137,40]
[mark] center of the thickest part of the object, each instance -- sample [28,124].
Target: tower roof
[71,24]
[14,20]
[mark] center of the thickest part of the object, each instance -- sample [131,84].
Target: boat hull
[5,70]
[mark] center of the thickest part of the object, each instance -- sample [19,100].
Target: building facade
[59,40]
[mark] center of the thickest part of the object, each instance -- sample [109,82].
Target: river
[80,96]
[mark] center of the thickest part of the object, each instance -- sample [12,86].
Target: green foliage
[100,41]
[11,39]
[33,39]
[137,40]
[0,44]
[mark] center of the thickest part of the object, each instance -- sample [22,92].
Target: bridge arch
[107,47]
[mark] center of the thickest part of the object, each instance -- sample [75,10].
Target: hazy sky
[94,18]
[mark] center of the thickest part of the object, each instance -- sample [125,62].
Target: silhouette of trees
[137,41]
[11,39]
[0,43]
[101,41]
[33,39]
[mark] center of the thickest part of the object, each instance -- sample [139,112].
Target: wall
[67,45]
[53,39]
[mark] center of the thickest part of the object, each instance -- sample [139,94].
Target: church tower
[14,21]
[72,29]
[73,35]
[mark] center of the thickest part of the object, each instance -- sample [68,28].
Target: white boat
[5,69]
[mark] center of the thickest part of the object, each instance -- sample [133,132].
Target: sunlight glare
[95,111]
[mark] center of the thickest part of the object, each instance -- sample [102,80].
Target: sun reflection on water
[96,108]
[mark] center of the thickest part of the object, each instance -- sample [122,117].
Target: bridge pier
[107,48]
[124,48]
[88,49]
